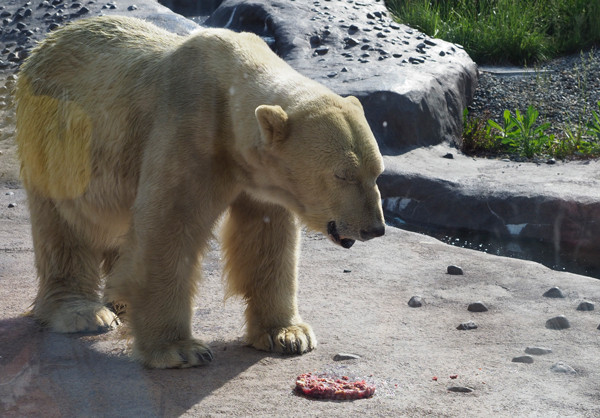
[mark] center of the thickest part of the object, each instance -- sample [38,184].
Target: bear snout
[367,234]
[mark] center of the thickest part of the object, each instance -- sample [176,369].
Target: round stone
[558,322]
[538,351]
[345,356]
[562,367]
[585,306]
[454,270]
[477,307]
[523,359]
[465,326]
[460,389]
[554,292]
[415,302]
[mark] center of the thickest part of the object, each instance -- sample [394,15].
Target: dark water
[570,260]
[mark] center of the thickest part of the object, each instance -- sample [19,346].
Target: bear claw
[177,354]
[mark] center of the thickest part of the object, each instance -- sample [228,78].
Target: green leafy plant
[477,137]
[520,134]
[594,125]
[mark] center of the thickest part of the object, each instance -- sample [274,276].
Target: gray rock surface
[402,348]
[413,88]
[556,204]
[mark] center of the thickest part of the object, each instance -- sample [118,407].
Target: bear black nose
[367,234]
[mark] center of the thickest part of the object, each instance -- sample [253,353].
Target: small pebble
[561,367]
[449,156]
[347,271]
[132,7]
[585,306]
[415,302]
[454,270]
[554,292]
[460,389]
[477,307]
[523,359]
[558,322]
[345,356]
[538,351]
[465,326]
[12,205]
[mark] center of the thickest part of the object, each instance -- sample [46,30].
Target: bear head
[321,161]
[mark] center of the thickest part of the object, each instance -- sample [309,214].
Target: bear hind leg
[69,277]
[261,242]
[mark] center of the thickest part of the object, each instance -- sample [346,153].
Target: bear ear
[354,101]
[272,121]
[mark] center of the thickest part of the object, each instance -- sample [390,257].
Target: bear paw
[82,316]
[295,339]
[177,354]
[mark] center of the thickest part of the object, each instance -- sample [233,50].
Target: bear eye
[346,178]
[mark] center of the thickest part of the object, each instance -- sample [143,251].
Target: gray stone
[345,356]
[586,306]
[406,105]
[558,322]
[466,326]
[523,359]
[538,351]
[415,302]
[477,307]
[562,367]
[454,270]
[460,389]
[554,292]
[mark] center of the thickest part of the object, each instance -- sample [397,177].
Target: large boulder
[413,88]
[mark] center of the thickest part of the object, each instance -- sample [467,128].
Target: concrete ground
[356,301]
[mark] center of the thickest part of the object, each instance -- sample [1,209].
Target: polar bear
[135,141]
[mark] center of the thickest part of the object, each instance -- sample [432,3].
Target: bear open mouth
[335,236]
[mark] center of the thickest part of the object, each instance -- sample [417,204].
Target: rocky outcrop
[413,88]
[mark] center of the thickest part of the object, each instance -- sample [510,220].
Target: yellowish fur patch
[53,139]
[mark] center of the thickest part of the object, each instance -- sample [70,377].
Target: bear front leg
[157,279]
[69,273]
[261,243]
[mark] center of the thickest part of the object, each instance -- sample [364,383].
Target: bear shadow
[93,375]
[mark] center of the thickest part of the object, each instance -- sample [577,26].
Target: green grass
[506,31]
